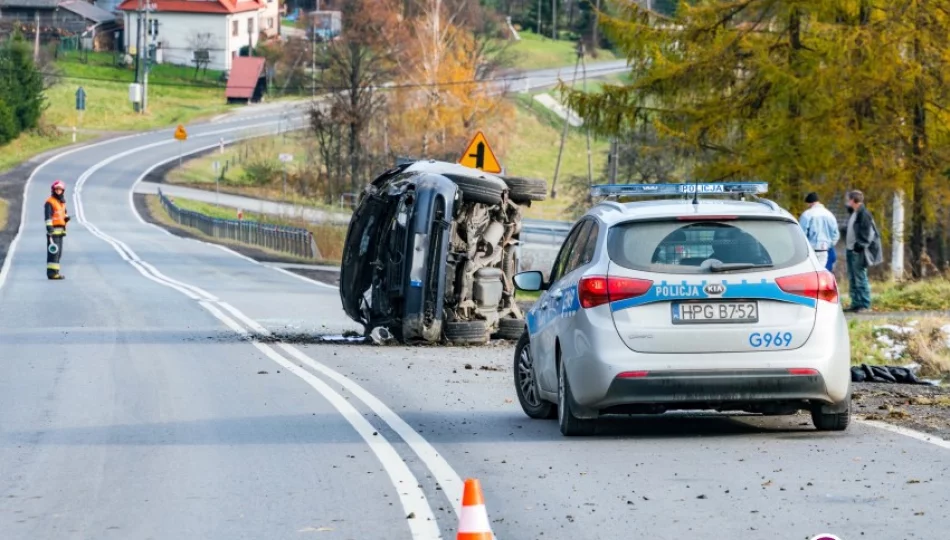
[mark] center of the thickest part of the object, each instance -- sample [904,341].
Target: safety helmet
[58,184]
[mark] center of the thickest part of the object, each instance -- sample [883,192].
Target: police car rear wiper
[726,267]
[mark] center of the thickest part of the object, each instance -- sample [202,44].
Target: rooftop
[196,6]
[613,211]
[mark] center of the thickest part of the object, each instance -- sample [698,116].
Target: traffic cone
[473,523]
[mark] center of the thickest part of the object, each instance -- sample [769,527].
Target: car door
[557,302]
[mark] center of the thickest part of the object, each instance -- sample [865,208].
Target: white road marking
[907,432]
[413,499]
[424,525]
[5,269]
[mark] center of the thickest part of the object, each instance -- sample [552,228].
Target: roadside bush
[8,125]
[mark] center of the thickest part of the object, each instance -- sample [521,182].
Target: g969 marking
[770,339]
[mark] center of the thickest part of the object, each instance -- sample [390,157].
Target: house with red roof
[211,30]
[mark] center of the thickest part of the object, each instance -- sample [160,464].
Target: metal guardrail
[292,240]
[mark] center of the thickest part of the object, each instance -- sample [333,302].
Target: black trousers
[52,259]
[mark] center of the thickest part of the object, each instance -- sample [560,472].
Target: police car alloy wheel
[570,425]
[526,383]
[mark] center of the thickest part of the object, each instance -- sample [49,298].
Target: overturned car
[431,250]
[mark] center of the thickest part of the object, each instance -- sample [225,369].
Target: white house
[181,27]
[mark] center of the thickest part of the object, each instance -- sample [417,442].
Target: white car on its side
[714,301]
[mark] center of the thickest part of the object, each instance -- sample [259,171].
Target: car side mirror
[532,280]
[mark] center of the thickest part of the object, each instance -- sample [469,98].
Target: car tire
[831,421]
[526,384]
[479,190]
[522,190]
[510,329]
[571,426]
[466,331]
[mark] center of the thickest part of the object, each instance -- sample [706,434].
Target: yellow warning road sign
[180,133]
[479,155]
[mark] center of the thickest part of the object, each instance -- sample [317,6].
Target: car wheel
[479,190]
[831,421]
[570,425]
[510,329]
[466,331]
[522,190]
[526,383]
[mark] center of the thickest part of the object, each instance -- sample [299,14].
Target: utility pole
[539,18]
[595,40]
[138,44]
[36,38]
[147,30]
[553,19]
[590,169]
[567,122]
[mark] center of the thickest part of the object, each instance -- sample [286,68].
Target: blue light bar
[646,190]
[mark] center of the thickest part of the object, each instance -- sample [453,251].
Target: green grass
[174,95]
[537,52]
[30,144]
[4,211]
[329,238]
[928,295]
[533,149]
[199,172]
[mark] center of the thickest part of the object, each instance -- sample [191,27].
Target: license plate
[715,312]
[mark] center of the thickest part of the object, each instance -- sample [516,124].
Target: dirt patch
[920,407]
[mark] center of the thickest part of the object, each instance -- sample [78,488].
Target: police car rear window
[679,247]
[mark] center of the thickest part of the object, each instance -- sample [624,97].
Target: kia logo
[714,289]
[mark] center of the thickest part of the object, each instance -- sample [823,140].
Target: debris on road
[920,407]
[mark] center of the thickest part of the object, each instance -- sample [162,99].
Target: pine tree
[805,94]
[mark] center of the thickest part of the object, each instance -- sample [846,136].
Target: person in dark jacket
[56,220]
[863,250]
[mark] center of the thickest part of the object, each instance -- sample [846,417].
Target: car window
[577,250]
[560,263]
[689,248]
[591,244]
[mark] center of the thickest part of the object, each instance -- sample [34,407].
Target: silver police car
[714,300]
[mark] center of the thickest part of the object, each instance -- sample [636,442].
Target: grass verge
[240,178]
[533,151]
[538,52]
[31,144]
[175,95]
[4,214]
[921,340]
[329,238]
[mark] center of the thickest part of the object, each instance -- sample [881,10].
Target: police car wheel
[526,384]
[570,425]
[831,421]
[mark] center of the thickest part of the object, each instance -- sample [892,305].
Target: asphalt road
[132,405]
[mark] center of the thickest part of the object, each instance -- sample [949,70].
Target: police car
[710,300]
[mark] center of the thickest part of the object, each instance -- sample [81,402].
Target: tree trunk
[919,149]
[794,105]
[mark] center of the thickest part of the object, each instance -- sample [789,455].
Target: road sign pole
[180,144]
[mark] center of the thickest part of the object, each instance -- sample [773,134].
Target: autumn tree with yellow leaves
[445,95]
[822,95]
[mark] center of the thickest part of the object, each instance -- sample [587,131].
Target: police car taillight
[818,285]
[593,291]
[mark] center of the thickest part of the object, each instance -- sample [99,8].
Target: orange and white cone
[473,523]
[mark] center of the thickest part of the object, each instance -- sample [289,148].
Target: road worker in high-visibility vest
[56,220]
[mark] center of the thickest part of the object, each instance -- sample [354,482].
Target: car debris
[431,251]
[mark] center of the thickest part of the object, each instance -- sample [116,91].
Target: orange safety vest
[58,218]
